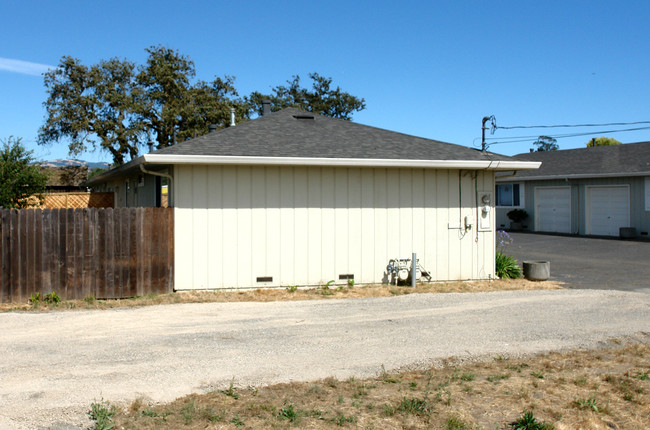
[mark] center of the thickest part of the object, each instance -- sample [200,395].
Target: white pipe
[170,188]
[414,263]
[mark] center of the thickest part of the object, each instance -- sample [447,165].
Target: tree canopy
[19,177]
[119,106]
[545,143]
[602,141]
[321,99]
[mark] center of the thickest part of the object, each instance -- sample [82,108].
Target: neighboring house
[64,190]
[295,198]
[589,191]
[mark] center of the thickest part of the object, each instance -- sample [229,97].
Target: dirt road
[55,364]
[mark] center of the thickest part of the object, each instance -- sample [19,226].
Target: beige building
[294,198]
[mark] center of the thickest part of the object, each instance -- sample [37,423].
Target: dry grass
[281,294]
[602,389]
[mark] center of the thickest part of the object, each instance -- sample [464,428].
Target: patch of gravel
[56,364]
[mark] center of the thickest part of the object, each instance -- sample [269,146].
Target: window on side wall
[508,195]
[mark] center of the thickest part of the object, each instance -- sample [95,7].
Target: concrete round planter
[537,270]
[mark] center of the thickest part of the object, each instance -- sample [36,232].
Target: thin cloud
[24,67]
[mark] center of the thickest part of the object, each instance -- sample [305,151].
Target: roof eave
[339,162]
[574,176]
[497,165]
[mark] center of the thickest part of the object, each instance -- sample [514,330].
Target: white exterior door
[608,209]
[553,209]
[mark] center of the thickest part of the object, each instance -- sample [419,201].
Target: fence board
[133,249]
[4,253]
[105,253]
[30,249]
[101,253]
[109,240]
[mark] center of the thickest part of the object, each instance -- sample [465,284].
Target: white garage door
[608,209]
[553,209]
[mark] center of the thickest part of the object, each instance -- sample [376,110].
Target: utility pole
[483,128]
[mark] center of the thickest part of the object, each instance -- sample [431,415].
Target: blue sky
[431,68]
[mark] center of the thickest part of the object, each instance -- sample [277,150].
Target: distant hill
[69,162]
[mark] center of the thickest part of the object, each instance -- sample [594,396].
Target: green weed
[189,412]
[35,298]
[341,419]
[102,413]
[237,422]
[325,289]
[52,298]
[389,410]
[288,412]
[528,422]
[387,377]
[414,406]
[455,423]
[517,367]
[230,391]
[209,414]
[497,378]
[468,376]
[591,403]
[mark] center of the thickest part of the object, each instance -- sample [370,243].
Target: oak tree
[118,106]
[321,98]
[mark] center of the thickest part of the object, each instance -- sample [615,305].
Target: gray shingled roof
[631,159]
[295,133]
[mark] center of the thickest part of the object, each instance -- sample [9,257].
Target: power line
[517,139]
[571,125]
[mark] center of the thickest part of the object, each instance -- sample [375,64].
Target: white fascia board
[339,162]
[580,176]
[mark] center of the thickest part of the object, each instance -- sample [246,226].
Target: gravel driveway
[55,364]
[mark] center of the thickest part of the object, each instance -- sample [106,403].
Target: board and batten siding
[308,225]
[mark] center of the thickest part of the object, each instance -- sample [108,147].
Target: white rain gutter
[578,176]
[339,162]
[170,188]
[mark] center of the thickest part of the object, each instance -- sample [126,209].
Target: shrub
[517,215]
[507,267]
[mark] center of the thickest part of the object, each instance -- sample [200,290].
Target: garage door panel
[553,209]
[608,209]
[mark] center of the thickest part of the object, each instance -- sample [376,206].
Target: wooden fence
[78,253]
[77,200]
